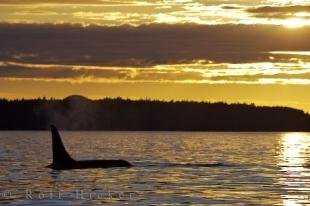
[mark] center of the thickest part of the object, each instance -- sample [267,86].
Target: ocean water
[170,168]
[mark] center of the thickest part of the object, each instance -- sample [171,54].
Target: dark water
[171,168]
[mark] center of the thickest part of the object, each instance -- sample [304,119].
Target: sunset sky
[254,51]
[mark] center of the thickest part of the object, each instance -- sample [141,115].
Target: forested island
[79,113]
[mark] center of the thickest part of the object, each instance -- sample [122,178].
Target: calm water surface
[258,169]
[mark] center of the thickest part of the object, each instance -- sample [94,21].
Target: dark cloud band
[271,9]
[146,45]
[279,12]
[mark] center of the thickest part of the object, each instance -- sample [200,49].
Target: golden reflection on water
[294,164]
[273,171]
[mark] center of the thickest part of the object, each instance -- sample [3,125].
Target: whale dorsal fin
[60,155]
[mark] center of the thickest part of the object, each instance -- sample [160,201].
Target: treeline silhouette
[80,113]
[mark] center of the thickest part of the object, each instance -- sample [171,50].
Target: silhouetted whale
[63,161]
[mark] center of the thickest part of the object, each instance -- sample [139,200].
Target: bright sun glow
[294,23]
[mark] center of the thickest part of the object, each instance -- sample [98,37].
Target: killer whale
[63,161]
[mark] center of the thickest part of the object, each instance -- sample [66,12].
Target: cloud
[146,45]
[286,9]
[78,73]
[198,72]
[231,7]
[227,2]
[16,70]
[139,12]
[61,2]
[134,2]
[280,12]
[255,78]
